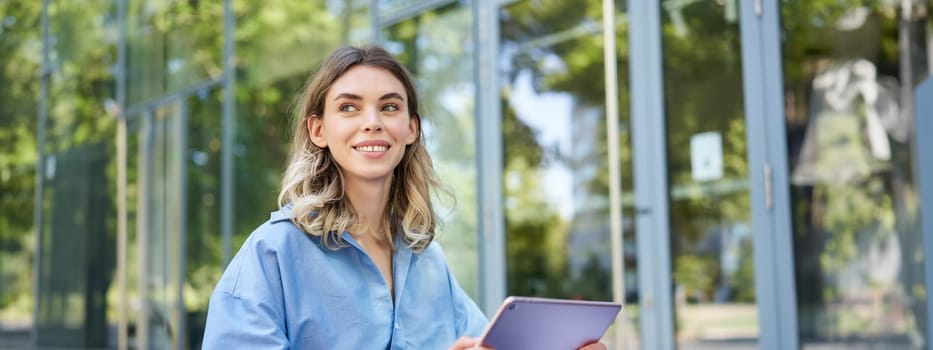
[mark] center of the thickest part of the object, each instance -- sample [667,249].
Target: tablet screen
[540,323]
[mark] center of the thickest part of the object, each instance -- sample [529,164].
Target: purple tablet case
[540,323]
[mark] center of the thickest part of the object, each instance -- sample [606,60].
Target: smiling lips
[372,146]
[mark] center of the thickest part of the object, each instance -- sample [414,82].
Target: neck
[369,199]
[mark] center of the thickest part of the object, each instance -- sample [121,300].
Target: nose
[373,121]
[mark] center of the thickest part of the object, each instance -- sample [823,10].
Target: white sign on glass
[706,156]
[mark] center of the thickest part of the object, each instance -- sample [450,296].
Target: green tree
[560,44]
[20,57]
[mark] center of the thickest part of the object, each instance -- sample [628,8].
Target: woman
[348,262]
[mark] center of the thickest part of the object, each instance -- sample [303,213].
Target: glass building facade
[741,174]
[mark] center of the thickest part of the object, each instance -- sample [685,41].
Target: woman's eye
[390,108]
[347,108]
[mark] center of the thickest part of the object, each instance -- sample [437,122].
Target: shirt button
[397,326]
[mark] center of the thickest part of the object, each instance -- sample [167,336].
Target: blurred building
[741,174]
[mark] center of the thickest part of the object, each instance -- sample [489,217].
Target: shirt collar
[401,258]
[403,252]
[284,213]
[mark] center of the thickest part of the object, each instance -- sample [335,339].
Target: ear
[316,131]
[414,128]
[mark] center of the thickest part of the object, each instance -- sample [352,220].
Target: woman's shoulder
[433,254]
[278,232]
[267,252]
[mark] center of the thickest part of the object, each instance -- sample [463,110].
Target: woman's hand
[594,346]
[465,343]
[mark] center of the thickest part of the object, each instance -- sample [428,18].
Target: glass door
[556,157]
[711,256]
[850,69]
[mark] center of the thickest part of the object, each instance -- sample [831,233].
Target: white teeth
[372,148]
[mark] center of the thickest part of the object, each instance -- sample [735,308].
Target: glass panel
[172,44]
[202,239]
[557,224]
[435,46]
[78,246]
[160,239]
[711,237]
[19,99]
[849,73]
[556,164]
[136,143]
[279,43]
[393,7]
[629,243]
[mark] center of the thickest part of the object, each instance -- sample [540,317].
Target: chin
[373,174]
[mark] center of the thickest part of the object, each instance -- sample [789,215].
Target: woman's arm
[240,323]
[247,309]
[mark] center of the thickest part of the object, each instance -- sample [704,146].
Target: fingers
[594,346]
[464,343]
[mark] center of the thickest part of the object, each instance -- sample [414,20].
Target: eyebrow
[387,96]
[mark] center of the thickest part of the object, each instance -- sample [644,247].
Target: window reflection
[19,33]
[77,247]
[171,45]
[278,44]
[435,48]
[392,7]
[849,73]
[202,241]
[710,212]
[159,236]
[556,194]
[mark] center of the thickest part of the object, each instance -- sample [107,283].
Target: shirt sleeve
[240,323]
[246,310]
[470,319]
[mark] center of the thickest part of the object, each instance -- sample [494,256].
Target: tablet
[540,323]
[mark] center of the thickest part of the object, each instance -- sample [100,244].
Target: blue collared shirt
[284,289]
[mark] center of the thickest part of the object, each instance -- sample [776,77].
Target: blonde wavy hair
[313,184]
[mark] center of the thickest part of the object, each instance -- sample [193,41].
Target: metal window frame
[228,134]
[615,167]
[122,156]
[45,72]
[924,179]
[143,187]
[768,174]
[174,97]
[181,334]
[652,223]
[489,157]
[382,20]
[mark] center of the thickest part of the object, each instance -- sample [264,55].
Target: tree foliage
[559,45]
[20,57]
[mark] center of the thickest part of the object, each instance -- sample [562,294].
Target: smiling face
[366,124]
